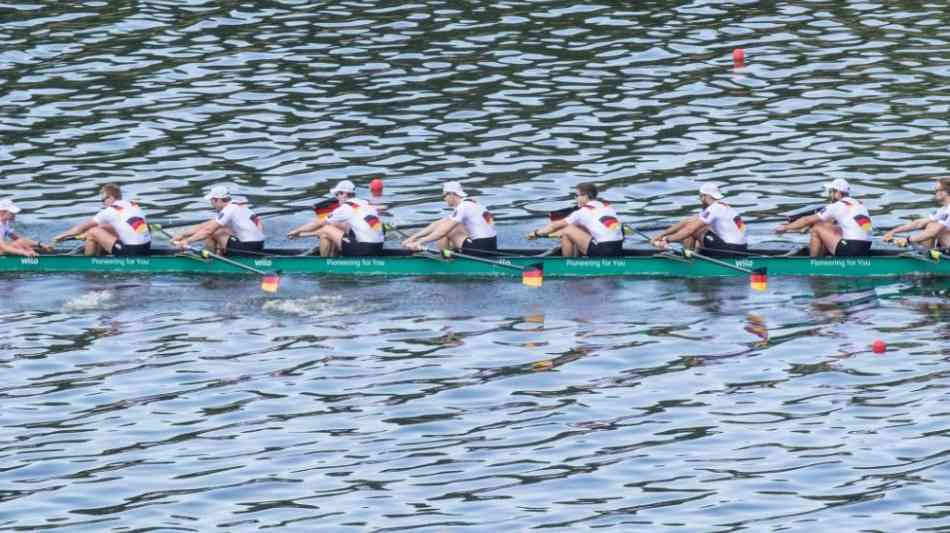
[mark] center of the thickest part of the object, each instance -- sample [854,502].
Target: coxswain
[932,231]
[119,228]
[10,241]
[235,229]
[592,230]
[469,229]
[841,228]
[717,231]
[353,229]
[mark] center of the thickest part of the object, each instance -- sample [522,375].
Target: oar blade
[270,283]
[759,280]
[533,276]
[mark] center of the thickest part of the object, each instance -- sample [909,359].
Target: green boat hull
[643,265]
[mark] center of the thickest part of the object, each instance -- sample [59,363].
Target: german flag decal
[324,208]
[138,224]
[373,222]
[864,221]
[489,218]
[739,223]
[609,222]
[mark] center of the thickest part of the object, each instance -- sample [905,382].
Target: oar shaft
[723,264]
[206,253]
[482,260]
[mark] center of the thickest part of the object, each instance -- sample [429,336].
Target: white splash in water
[318,306]
[91,301]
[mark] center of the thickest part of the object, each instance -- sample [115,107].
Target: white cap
[711,189]
[839,185]
[344,186]
[218,191]
[9,206]
[453,187]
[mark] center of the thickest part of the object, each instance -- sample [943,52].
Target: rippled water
[187,404]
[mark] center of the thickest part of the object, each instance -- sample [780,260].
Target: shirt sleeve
[707,215]
[105,216]
[575,216]
[226,216]
[460,212]
[829,212]
[341,214]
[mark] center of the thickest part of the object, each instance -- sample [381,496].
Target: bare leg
[100,240]
[218,241]
[575,240]
[824,239]
[331,241]
[455,239]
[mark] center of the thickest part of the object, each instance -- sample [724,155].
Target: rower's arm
[687,227]
[801,223]
[313,225]
[675,228]
[201,233]
[424,232]
[920,223]
[76,230]
[550,228]
[439,230]
[925,235]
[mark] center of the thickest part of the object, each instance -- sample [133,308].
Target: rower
[10,241]
[353,229]
[842,228]
[935,229]
[592,230]
[235,230]
[119,228]
[469,229]
[718,230]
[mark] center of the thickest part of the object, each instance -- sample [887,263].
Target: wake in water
[322,306]
[92,301]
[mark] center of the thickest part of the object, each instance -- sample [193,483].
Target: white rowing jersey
[478,221]
[128,221]
[361,217]
[242,222]
[942,216]
[599,219]
[851,216]
[6,231]
[725,222]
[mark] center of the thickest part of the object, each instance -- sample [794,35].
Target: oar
[532,276]
[270,281]
[758,278]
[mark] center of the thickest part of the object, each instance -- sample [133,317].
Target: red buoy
[879,346]
[376,186]
[738,58]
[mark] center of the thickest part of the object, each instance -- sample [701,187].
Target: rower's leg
[455,238]
[100,240]
[577,241]
[331,241]
[218,241]
[943,238]
[929,243]
[824,239]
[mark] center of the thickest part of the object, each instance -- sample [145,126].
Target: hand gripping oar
[758,278]
[270,281]
[928,254]
[532,276]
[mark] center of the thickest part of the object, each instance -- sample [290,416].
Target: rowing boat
[642,263]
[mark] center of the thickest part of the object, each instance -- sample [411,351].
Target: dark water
[187,404]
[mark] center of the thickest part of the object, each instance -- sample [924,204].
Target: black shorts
[848,248]
[605,249]
[236,247]
[354,248]
[714,246]
[474,246]
[130,250]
